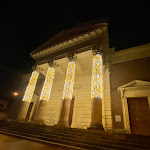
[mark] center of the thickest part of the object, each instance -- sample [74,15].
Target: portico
[76,67]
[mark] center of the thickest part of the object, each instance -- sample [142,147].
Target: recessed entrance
[139,115]
[71,111]
[29,111]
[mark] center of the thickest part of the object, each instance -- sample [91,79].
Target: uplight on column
[96,85]
[46,90]
[69,81]
[31,86]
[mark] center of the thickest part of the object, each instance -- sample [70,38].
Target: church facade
[78,81]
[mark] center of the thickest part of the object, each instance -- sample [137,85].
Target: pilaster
[107,97]
[107,89]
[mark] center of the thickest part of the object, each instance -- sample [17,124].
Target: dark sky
[27,24]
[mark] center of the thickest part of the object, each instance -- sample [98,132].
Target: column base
[96,127]
[40,122]
[41,111]
[64,115]
[21,120]
[63,124]
[23,111]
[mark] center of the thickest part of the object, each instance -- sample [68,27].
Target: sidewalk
[12,143]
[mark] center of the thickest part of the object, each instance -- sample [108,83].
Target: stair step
[78,134]
[83,139]
[59,142]
[55,138]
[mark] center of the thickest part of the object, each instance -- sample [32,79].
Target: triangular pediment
[135,83]
[68,34]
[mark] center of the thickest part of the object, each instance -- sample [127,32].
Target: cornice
[136,84]
[71,42]
[136,52]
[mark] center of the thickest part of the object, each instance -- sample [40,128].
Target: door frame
[136,88]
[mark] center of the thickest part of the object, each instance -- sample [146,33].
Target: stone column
[23,110]
[41,111]
[67,95]
[96,93]
[28,96]
[45,95]
[96,114]
[64,114]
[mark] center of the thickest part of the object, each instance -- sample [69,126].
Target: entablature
[77,44]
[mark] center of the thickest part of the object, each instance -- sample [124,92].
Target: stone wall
[53,107]
[82,109]
[82,104]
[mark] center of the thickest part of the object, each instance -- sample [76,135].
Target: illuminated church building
[78,81]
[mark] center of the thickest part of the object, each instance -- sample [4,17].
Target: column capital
[72,56]
[36,68]
[52,63]
[97,50]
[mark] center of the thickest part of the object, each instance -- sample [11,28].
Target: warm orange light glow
[15,93]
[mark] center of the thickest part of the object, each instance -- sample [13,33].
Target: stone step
[96,139]
[70,144]
[94,143]
[47,128]
[75,142]
[79,132]
[61,135]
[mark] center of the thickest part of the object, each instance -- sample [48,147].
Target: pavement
[12,143]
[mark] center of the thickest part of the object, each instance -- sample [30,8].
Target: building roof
[67,34]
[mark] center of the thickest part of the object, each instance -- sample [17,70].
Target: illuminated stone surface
[23,110]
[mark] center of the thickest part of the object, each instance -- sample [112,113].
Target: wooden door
[29,111]
[71,111]
[139,115]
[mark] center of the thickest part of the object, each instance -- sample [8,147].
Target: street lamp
[15,93]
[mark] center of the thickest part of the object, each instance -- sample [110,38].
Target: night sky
[25,25]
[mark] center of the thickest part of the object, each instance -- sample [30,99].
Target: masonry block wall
[53,107]
[82,104]
[82,111]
